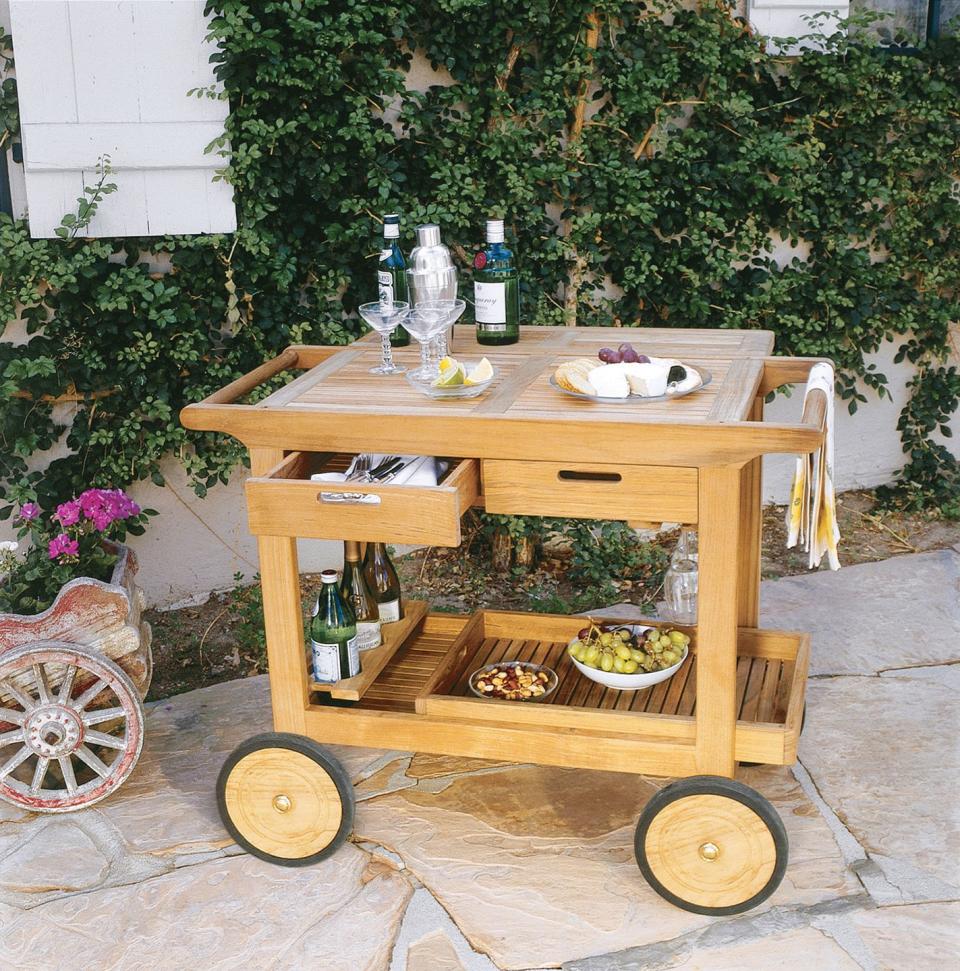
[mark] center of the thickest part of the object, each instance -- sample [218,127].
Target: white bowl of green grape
[628,657]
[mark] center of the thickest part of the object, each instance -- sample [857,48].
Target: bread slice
[573,377]
[588,363]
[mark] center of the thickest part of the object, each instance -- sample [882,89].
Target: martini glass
[384,316]
[430,318]
[431,283]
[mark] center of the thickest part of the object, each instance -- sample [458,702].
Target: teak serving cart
[706,842]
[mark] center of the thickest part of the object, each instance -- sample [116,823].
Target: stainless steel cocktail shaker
[431,274]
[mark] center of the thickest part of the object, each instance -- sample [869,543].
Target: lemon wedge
[448,362]
[482,372]
[451,376]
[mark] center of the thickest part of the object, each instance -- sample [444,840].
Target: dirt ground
[222,639]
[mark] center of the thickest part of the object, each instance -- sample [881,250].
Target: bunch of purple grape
[624,354]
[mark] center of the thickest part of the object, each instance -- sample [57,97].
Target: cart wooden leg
[283,622]
[282,616]
[717,611]
[751,519]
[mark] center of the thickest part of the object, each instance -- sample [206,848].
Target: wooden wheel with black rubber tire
[753,765]
[711,845]
[286,800]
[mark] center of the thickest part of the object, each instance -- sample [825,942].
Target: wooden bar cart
[706,842]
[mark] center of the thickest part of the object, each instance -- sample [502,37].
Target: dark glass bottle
[333,634]
[383,582]
[496,290]
[354,589]
[392,273]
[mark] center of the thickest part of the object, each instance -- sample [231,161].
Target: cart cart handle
[778,371]
[244,385]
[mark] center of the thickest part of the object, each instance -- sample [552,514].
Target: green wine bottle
[383,582]
[496,290]
[333,634]
[392,273]
[354,589]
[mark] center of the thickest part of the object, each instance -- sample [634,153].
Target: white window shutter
[110,77]
[785,18]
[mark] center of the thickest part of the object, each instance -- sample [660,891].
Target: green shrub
[671,150]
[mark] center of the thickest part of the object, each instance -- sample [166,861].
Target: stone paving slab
[536,865]
[885,756]
[225,914]
[921,937]
[483,866]
[776,952]
[896,613]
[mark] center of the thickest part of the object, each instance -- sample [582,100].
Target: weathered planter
[72,683]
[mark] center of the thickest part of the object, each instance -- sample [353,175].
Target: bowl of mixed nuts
[514,681]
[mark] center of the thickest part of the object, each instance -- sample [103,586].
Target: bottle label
[490,301]
[389,611]
[326,661]
[368,635]
[353,656]
[385,282]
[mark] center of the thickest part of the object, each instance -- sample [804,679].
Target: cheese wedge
[646,380]
[610,381]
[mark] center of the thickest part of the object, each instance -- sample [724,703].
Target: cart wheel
[285,800]
[711,845]
[71,727]
[753,765]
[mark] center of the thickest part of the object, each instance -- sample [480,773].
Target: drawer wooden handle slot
[350,498]
[573,475]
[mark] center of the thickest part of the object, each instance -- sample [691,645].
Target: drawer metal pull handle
[353,498]
[572,475]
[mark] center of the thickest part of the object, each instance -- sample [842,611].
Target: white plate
[629,682]
[705,378]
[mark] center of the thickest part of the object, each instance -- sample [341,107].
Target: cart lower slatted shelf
[763,684]
[428,675]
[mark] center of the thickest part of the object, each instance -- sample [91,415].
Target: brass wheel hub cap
[709,851]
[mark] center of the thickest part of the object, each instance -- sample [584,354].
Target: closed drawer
[590,491]
[285,502]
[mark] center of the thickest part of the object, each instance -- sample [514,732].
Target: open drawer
[285,502]
[770,686]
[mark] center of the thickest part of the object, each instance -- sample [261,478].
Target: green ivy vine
[646,157]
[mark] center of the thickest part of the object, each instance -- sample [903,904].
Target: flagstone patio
[462,865]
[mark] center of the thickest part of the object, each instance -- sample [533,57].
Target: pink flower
[29,511]
[63,545]
[101,519]
[67,513]
[106,506]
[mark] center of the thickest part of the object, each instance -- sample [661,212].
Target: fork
[358,467]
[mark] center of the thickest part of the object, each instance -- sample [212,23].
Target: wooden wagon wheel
[71,727]
[285,800]
[711,845]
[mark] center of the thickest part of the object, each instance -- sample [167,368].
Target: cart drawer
[285,502]
[590,490]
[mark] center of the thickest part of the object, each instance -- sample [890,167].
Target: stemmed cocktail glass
[385,316]
[429,319]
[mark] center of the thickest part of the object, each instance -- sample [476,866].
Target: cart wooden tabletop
[337,404]
[521,388]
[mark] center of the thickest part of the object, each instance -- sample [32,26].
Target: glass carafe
[681,579]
